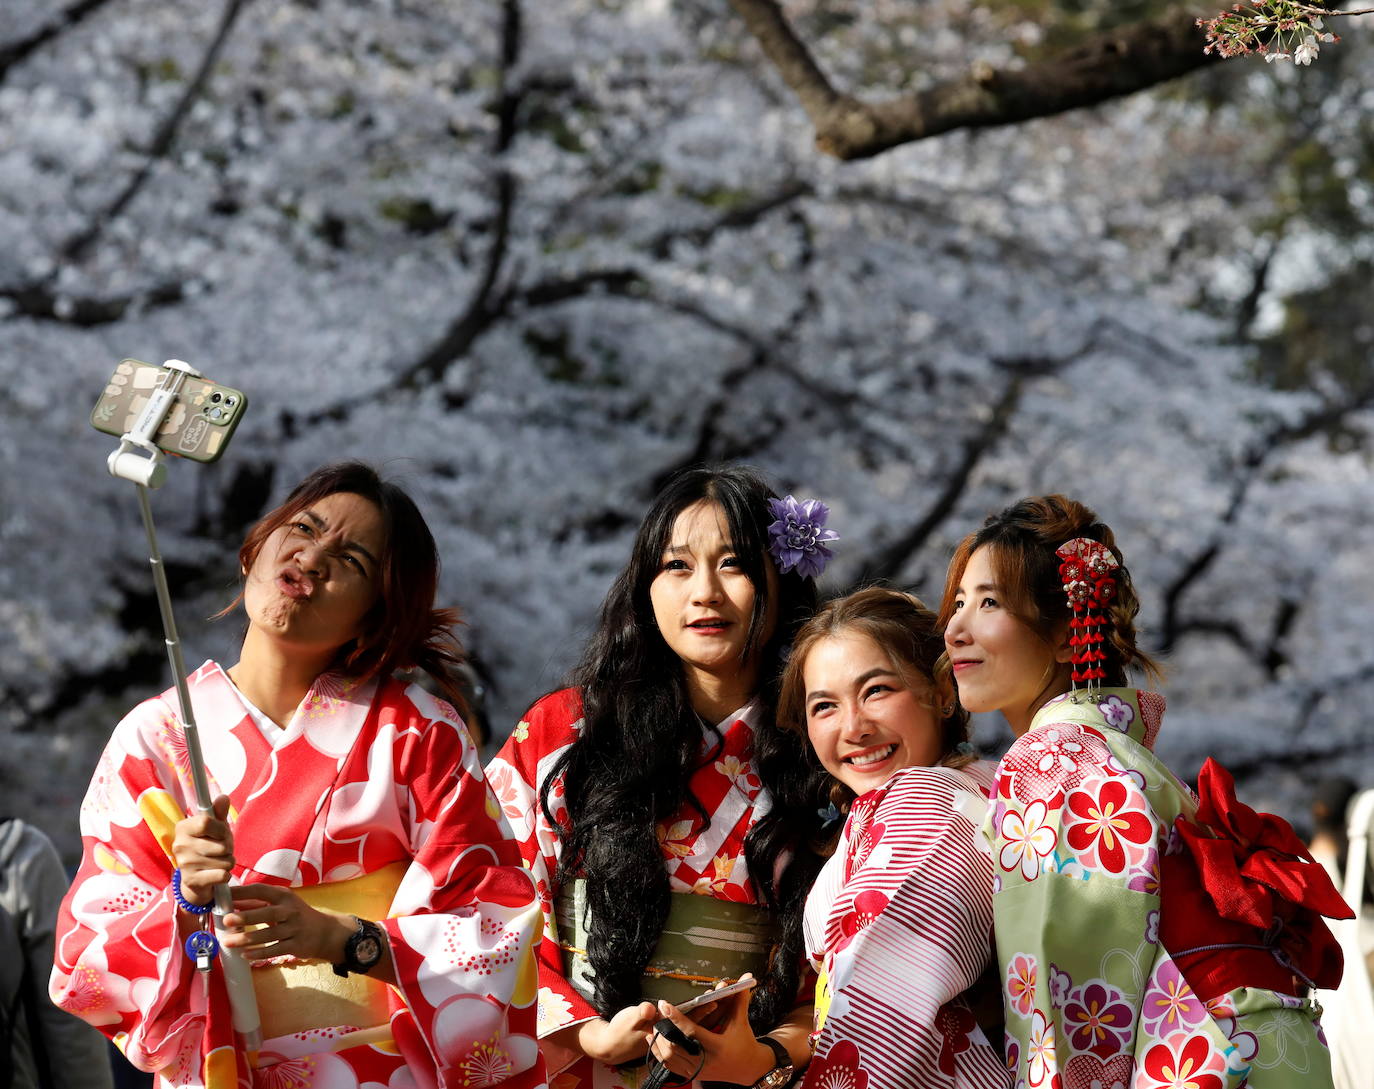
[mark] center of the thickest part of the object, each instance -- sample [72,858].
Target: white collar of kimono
[261,719]
[748,714]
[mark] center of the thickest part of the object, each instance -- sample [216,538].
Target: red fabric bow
[1254,866]
[1256,872]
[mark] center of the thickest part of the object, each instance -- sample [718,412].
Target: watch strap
[782,1071]
[368,933]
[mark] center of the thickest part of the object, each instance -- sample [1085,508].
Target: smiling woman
[1146,935]
[376,891]
[660,809]
[898,923]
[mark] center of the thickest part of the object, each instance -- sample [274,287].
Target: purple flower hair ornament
[798,537]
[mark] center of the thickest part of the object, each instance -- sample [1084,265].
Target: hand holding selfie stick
[147,470]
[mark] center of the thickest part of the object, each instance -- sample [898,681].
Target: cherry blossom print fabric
[899,927]
[365,779]
[1082,815]
[707,861]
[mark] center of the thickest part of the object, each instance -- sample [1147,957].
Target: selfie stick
[150,472]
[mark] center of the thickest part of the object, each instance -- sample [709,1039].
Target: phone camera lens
[216,398]
[215,413]
[230,400]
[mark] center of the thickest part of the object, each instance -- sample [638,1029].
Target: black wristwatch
[781,1074]
[363,949]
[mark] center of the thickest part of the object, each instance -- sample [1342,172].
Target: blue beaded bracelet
[182,902]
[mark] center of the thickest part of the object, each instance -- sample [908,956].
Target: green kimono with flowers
[1082,816]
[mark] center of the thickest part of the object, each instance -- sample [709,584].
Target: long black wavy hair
[641,741]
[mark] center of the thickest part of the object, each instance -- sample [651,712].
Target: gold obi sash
[306,994]
[704,940]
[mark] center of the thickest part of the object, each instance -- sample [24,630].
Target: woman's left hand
[283,924]
[731,1052]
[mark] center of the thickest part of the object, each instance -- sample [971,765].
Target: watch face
[368,951]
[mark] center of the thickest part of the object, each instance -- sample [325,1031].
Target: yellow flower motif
[487,1063]
[674,838]
[723,866]
[732,767]
[521,731]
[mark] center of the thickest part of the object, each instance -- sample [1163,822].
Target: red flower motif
[1104,823]
[1184,1068]
[868,905]
[955,1024]
[1098,1019]
[866,840]
[838,1069]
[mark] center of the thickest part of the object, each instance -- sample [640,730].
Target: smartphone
[197,426]
[716,995]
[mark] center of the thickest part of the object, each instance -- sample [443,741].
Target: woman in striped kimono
[899,922]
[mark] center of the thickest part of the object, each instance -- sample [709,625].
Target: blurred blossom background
[533,257]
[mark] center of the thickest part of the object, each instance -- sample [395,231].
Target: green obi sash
[704,940]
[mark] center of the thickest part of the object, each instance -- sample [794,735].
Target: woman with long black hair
[668,824]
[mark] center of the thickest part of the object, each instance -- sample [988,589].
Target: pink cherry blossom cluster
[1275,29]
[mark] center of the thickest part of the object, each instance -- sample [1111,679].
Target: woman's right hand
[619,1040]
[203,847]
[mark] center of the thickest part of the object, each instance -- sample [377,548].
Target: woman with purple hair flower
[671,830]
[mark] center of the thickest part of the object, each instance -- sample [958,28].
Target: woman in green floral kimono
[1146,937]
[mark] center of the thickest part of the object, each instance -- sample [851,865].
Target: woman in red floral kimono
[667,823]
[899,922]
[1146,937]
[377,893]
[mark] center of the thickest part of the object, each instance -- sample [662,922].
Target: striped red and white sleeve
[908,935]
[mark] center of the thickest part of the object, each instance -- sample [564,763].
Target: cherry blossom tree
[534,258]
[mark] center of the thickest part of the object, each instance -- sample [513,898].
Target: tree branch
[888,561]
[161,143]
[44,303]
[744,216]
[1323,418]
[482,309]
[486,304]
[1109,65]
[19,51]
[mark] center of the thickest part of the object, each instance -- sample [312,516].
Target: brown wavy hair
[403,630]
[913,639]
[1021,542]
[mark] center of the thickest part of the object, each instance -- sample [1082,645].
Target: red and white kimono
[899,927]
[708,862]
[371,800]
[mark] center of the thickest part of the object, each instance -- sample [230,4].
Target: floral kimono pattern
[365,779]
[899,927]
[707,861]
[1082,823]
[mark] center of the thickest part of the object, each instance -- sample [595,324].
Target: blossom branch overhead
[1274,29]
[1109,65]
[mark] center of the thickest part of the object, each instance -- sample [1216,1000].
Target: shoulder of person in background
[42,1045]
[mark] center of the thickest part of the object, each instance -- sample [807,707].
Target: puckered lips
[295,583]
[872,758]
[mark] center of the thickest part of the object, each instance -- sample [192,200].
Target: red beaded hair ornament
[1086,572]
